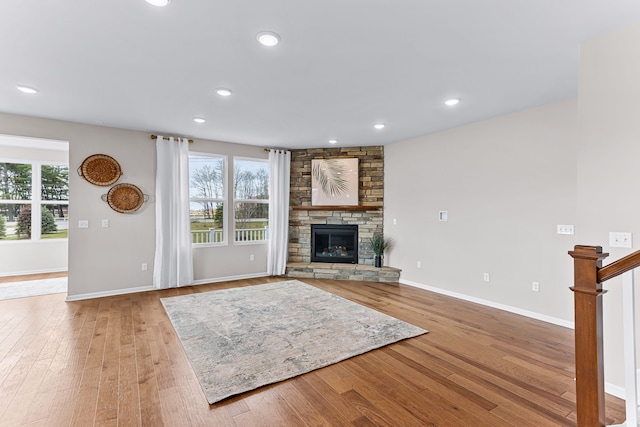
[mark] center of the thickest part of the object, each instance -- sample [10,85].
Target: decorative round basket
[125,198]
[100,169]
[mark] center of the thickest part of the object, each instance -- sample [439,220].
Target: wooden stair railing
[588,277]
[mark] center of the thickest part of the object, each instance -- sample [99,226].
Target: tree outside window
[15,197]
[55,199]
[207,198]
[27,187]
[251,199]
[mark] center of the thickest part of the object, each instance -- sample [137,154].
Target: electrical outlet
[83,223]
[252,257]
[535,287]
[486,277]
[105,223]
[145,267]
[419,264]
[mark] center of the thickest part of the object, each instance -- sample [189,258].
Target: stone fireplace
[367,216]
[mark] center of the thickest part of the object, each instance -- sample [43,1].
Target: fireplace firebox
[334,243]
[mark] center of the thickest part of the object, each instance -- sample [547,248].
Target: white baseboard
[151,288]
[114,292]
[620,392]
[614,390]
[25,273]
[510,309]
[229,278]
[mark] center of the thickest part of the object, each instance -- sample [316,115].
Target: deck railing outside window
[213,235]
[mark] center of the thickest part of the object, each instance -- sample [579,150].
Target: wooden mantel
[335,208]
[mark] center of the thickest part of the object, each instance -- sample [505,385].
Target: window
[207,198]
[251,200]
[55,201]
[34,201]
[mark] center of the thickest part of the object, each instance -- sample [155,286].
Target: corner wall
[505,183]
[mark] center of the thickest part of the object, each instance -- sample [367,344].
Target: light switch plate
[619,239]
[83,223]
[565,229]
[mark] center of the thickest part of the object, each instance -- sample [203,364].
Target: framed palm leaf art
[334,182]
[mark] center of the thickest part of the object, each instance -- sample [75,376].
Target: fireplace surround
[368,216]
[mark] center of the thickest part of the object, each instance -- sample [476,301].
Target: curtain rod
[166,138]
[277,149]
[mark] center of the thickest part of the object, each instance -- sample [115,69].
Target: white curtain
[173,264]
[279,166]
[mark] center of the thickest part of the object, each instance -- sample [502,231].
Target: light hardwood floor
[116,361]
[38,276]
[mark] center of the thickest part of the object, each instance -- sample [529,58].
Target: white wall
[608,164]
[108,260]
[27,256]
[506,183]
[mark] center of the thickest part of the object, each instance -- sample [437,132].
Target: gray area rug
[243,338]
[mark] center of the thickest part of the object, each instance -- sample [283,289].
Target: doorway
[34,211]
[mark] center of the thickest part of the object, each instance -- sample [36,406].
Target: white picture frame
[334,182]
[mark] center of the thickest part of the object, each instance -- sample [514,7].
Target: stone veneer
[370,194]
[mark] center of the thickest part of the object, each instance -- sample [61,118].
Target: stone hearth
[322,270]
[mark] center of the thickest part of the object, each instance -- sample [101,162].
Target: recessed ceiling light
[199,120]
[268,38]
[26,89]
[223,91]
[451,102]
[333,141]
[158,3]
[379,126]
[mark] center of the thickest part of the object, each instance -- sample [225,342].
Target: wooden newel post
[588,335]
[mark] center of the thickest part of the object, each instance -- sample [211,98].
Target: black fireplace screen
[334,243]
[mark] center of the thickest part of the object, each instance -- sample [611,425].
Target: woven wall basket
[125,198]
[100,169]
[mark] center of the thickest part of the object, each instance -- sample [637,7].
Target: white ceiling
[341,66]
